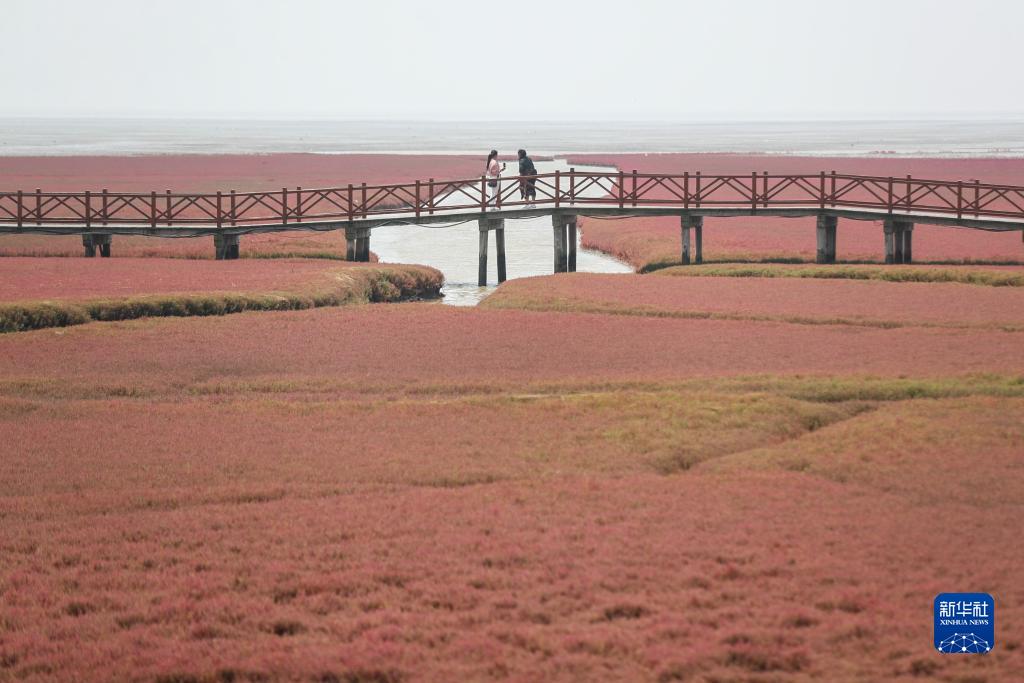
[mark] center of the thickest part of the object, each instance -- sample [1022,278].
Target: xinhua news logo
[965,623]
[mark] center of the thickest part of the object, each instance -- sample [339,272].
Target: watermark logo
[965,623]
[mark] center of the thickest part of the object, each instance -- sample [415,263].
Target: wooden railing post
[234,209]
[977,197]
[633,193]
[168,207]
[298,204]
[764,188]
[572,185]
[220,210]
[959,199]
[152,209]
[21,208]
[88,212]
[483,193]
[284,206]
[351,208]
[908,193]
[558,188]
[419,203]
[103,207]
[686,190]
[698,190]
[753,191]
[622,189]
[821,182]
[430,195]
[833,190]
[363,200]
[889,201]
[39,206]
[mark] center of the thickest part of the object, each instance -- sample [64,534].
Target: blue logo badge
[965,623]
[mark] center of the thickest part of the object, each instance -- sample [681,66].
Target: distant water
[52,137]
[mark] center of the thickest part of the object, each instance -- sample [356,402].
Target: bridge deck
[443,216]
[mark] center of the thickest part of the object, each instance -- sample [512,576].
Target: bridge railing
[559,189]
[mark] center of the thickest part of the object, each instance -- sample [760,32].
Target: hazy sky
[508,60]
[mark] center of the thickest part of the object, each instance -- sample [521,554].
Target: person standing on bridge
[493,177]
[527,180]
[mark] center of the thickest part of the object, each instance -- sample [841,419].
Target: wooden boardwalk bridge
[899,203]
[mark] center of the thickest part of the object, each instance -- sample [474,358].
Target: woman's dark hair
[522,153]
[490,156]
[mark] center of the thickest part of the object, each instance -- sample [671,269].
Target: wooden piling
[350,244]
[558,230]
[684,230]
[908,242]
[888,228]
[90,247]
[481,278]
[103,242]
[499,245]
[225,247]
[826,231]
[698,238]
[571,243]
[898,237]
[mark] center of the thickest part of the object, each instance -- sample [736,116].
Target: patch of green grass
[355,286]
[572,305]
[909,273]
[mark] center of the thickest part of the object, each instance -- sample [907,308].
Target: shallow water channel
[454,250]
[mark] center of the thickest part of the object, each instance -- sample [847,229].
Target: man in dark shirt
[528,182]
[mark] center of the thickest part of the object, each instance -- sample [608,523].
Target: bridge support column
[908,243]
[96,242]
[481,277]
[498,226]
[571,240]
[499,246]
[698,239]
[350,244]
[827,239]
[687,222]
[897,237]
[363,245]
[558,226]
[226,246]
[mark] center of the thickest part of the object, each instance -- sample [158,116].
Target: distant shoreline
[961,139]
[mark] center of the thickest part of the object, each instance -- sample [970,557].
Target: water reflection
[453,250]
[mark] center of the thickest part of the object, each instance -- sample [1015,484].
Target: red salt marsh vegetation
[421,493]
[42,292]
[206,173]
[581,536]
[788,299]
[654,242]
[212,172]
[692,478]
[437,349]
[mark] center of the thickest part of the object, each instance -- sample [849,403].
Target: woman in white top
[493,177]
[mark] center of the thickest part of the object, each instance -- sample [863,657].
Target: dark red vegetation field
[203,173]
[425,493]
[799,300]
[646,242]
[43,278]
[209,173]
[46,292]
[424,346]
[717,474]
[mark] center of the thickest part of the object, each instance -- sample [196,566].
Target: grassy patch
[909,448]
[372,284]
[963,275]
